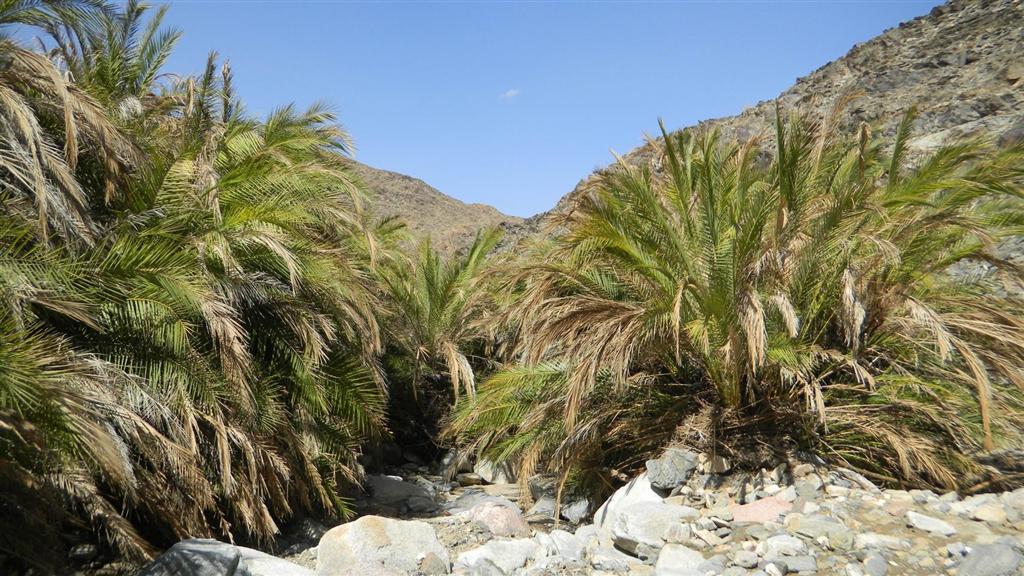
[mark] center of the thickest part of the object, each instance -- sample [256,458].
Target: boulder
[608,559]
[802,564]
[929,524]
[542,486]
[205,557]
[567,544]
[493,473]
[992,512]
[500,520]
[393,492]
[639,490]
[678,560]
[575,511]
[468,479]
[990,560]
[816,526]
[506,555]
[875,565]
[745,559]
[872,540]
[384,546]
[471,498]
[782,545]
[589,534]
[542,509]
[646,524]
[672,469]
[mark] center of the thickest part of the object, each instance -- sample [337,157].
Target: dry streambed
[686,516]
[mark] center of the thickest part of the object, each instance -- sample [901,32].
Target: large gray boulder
[672,469]
[205,557]
[561,543]
[382,546]
[505,555]
[638,491]
[641,528]
[991,560]
[575,511]
[678,560]
[930,524]
[498,519]
[474,497]
[394,492]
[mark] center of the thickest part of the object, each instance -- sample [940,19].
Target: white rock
[507,555]
[782,545]
[589,534]
[678,560]
[991,560]
[873,540]
[993,513]
[499,520]
[611,560]
[929,524]
[561,543]
[648,523]
[638,491]
[1014,499]
[745,559]
[376,545]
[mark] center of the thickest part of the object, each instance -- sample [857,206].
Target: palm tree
[244,299]
[46,125]
[117,54]
[437,304]
[810,293]
[197,352]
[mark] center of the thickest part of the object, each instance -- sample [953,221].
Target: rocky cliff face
[451,224]
[962,66]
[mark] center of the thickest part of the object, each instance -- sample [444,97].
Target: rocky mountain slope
[451,224]
[961,65]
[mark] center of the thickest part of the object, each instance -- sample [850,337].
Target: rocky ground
[688,515]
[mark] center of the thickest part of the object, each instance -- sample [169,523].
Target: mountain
[961,65]
[451,224]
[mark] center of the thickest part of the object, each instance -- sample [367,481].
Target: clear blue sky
[512,103]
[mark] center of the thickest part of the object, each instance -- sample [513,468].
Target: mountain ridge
[450,223]
[961,66]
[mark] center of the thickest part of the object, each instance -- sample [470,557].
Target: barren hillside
[451,224]
[962,65]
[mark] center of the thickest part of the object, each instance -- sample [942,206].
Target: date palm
[812,291]
[203,358]
[437,302]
